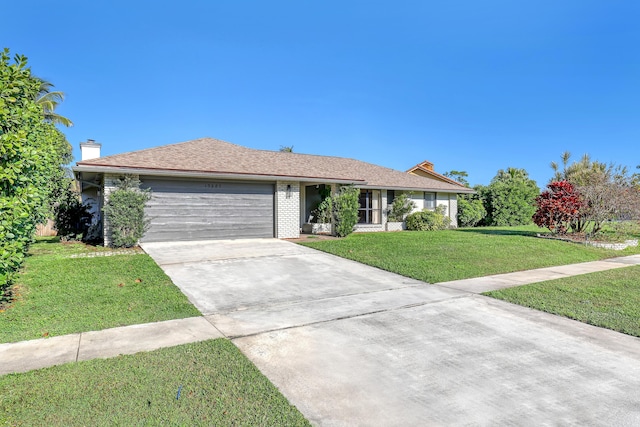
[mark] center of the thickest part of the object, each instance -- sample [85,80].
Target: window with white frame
[430,201]
[369,211]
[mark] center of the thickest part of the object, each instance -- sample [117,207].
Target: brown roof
[212,156]
[426,169]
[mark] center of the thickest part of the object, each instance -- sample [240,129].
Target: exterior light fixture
[288,191]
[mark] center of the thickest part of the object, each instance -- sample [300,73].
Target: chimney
[427,165]
[90,149]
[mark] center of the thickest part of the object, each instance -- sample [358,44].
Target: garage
[200,209]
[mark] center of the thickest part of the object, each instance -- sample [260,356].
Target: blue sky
[467,85]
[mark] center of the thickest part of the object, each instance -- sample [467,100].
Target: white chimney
[90,149]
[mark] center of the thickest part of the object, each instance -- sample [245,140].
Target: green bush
[401,207]
[323,212]
[125,212]
[32,153]
[345,207]
[470,211]
[427,220]
[72,218]
[510,198]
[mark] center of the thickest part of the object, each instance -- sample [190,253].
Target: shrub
[401,207]
[558,207]
[324,211]
[125,212]
[72,218]
[470,211]
[345,207]
[94,233]
[427,220]
[510,198]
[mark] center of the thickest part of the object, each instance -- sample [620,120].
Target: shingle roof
[426,169]
[214,156]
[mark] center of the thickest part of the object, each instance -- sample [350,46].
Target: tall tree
[460,176]
[32,152]
[560,175]
[510,198]
[286,148]
[635,178]
[50,100]
[608,191]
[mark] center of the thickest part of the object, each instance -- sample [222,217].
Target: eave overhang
[206,174]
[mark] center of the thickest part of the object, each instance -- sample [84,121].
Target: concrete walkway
[509,280]
[35,354]
[41,353]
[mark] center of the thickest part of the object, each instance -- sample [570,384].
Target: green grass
[219,387]
[53,246]
[438,256]
[58,295]
[609,299]
[619,231]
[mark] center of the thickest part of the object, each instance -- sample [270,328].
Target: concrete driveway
[349,344]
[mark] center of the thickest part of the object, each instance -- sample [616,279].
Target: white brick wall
[287,215]
[368,228]
[453,210]
[385,206]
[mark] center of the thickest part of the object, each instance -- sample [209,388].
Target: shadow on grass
[6,295]
[56,246]
[48,239]
[498,232]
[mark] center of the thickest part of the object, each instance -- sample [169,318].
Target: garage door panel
[202,210]
[206,212]
[192,232]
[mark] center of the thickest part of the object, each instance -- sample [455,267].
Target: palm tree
[511,174]
[559,175]
[49,100]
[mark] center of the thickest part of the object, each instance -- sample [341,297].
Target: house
[425,169]
[212,189]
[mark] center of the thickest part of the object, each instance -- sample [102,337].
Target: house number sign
[210,185]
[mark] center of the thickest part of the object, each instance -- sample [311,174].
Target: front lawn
[439,256]
[609,299]
[56,294]
[202,384]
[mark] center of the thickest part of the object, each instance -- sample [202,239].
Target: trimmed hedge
[426,220]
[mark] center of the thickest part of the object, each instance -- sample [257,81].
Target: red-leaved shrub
[558,207]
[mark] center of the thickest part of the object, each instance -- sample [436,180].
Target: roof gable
[425,169]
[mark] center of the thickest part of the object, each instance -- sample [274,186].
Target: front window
[430,201]
[391,196]
[369,212]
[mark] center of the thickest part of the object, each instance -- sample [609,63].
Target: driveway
[349,344]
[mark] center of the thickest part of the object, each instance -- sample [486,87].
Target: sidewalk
[508,280]
[35,354]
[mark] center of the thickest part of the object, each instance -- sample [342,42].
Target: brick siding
[287,215]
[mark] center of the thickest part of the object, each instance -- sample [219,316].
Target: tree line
[580,197]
